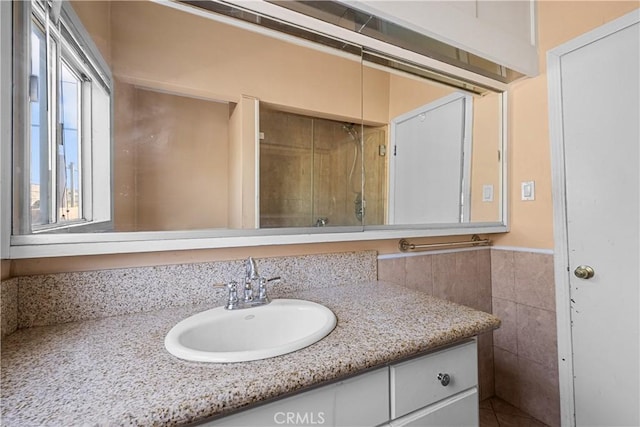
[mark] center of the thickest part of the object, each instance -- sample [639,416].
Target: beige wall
[5,269]
[242,154]
[124,158]
[168,151]
[22,267]
[375,95]
[529,151]
[181,149]
[156,46]
[407,94]
[96,18]
[485,163]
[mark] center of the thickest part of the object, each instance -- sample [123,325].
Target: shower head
[351,130]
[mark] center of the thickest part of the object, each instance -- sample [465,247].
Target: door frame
[561,252]
[466,148]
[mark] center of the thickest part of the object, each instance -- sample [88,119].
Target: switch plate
[487,193]
[528,190]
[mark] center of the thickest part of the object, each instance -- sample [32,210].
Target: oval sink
[220,335]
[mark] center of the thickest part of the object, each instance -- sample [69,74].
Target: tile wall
[310,170]
[518,363]
[463,277]
[525,346]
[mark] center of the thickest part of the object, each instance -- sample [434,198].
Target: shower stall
[311,170]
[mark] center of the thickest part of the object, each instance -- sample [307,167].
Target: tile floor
[495,412]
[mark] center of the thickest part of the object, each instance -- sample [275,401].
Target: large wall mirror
[225,130]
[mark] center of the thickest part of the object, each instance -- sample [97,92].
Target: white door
[427,171]
[595,118]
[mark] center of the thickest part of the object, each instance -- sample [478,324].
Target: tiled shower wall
[518,363]
[310,170]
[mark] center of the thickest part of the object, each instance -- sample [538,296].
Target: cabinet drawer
[359,401]
[415,383]
[460,410]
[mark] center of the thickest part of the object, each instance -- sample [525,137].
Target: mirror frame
[49,245]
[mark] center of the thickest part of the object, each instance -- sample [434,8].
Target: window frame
[67,42]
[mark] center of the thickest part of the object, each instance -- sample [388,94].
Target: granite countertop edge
[115,371]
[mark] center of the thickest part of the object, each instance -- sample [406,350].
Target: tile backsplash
[66,297]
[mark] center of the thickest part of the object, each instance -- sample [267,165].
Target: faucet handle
[262,288]
[232,299]
[230,285]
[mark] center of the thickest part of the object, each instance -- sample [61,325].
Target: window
[64,183]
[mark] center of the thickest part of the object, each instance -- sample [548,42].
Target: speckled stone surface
[66,297]
[115,371]
[8,306]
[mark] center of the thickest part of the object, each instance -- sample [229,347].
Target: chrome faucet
[251,274]
[233,302]
[248,299]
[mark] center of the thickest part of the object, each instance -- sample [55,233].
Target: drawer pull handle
[444,379]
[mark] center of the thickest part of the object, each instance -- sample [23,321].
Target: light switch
[487,193]
[528,190]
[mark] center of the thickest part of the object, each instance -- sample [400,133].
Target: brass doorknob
[584,272]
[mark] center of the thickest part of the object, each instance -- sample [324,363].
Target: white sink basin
[220,335]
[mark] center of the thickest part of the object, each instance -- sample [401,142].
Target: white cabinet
[415,383]
[408,393]
[460,410]
[501,31]
[359,401]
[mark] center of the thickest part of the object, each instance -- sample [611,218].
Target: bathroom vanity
[379,366]
[438,389]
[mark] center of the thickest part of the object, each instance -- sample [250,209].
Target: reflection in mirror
[178,176]
[311,173]
[444,149]
[188,93]
[216,127]
[62,125]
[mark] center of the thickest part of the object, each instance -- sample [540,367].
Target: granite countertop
[116,371]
